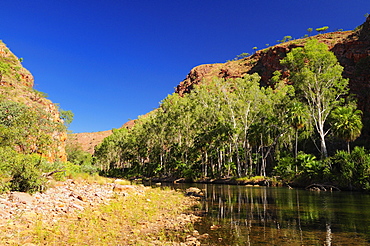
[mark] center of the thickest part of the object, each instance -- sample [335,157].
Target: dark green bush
[26,173]
[342,167]
[304,170]
[286,168]
[89,168]
[351,170]
[361,158]
[77,155]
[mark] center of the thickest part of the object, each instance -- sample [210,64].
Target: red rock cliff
[352,49]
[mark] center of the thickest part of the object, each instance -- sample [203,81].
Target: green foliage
[286,168]
[304,169]
[298,115]
[351,170]
[25,135]
[342,168]
[361,158]
[308,166]
[317,77]
[238,128]
[205,133]
[322,29]
[285,39]
[21,172]
[26,129]
[346,123]
[241,56]
[5,69]
[78,157]
[66,116]
[26,174]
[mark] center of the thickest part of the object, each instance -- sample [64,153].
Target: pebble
[64,197]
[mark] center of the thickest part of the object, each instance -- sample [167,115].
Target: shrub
[342,168]
[310,169]
[351,171]
[286,168]
[26,174]
[89,168]
[361,158]
[77,155]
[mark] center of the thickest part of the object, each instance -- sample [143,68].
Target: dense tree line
[235,127]
[214,131]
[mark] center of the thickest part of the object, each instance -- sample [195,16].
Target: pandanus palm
[297,115]
[347,123]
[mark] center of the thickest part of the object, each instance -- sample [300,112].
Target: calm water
[240,215]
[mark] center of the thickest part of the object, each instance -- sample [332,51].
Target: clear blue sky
[111,60]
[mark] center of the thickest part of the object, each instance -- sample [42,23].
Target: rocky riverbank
[68,201]
[63,198]
[258,181]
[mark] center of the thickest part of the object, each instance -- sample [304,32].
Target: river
[242,215]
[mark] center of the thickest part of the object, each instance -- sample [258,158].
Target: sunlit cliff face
[352,49]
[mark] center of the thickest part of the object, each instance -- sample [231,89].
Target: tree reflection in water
[240,215]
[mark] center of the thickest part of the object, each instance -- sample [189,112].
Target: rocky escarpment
[16,84]
[88,140]
[352,49]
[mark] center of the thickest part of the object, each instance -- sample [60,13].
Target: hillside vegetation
[32,130]
[285,111]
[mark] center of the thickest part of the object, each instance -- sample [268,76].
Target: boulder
[22,197]
[194,191]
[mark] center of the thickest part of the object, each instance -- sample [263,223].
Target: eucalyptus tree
[180,127]
[317,77]
[207,114]
[272,128]
[159,139]
[251,101]
[322,29]
[309,30]
[108,154]
[143,145]
[242,99]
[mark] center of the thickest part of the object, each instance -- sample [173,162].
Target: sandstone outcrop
[352,49]
[88,140]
